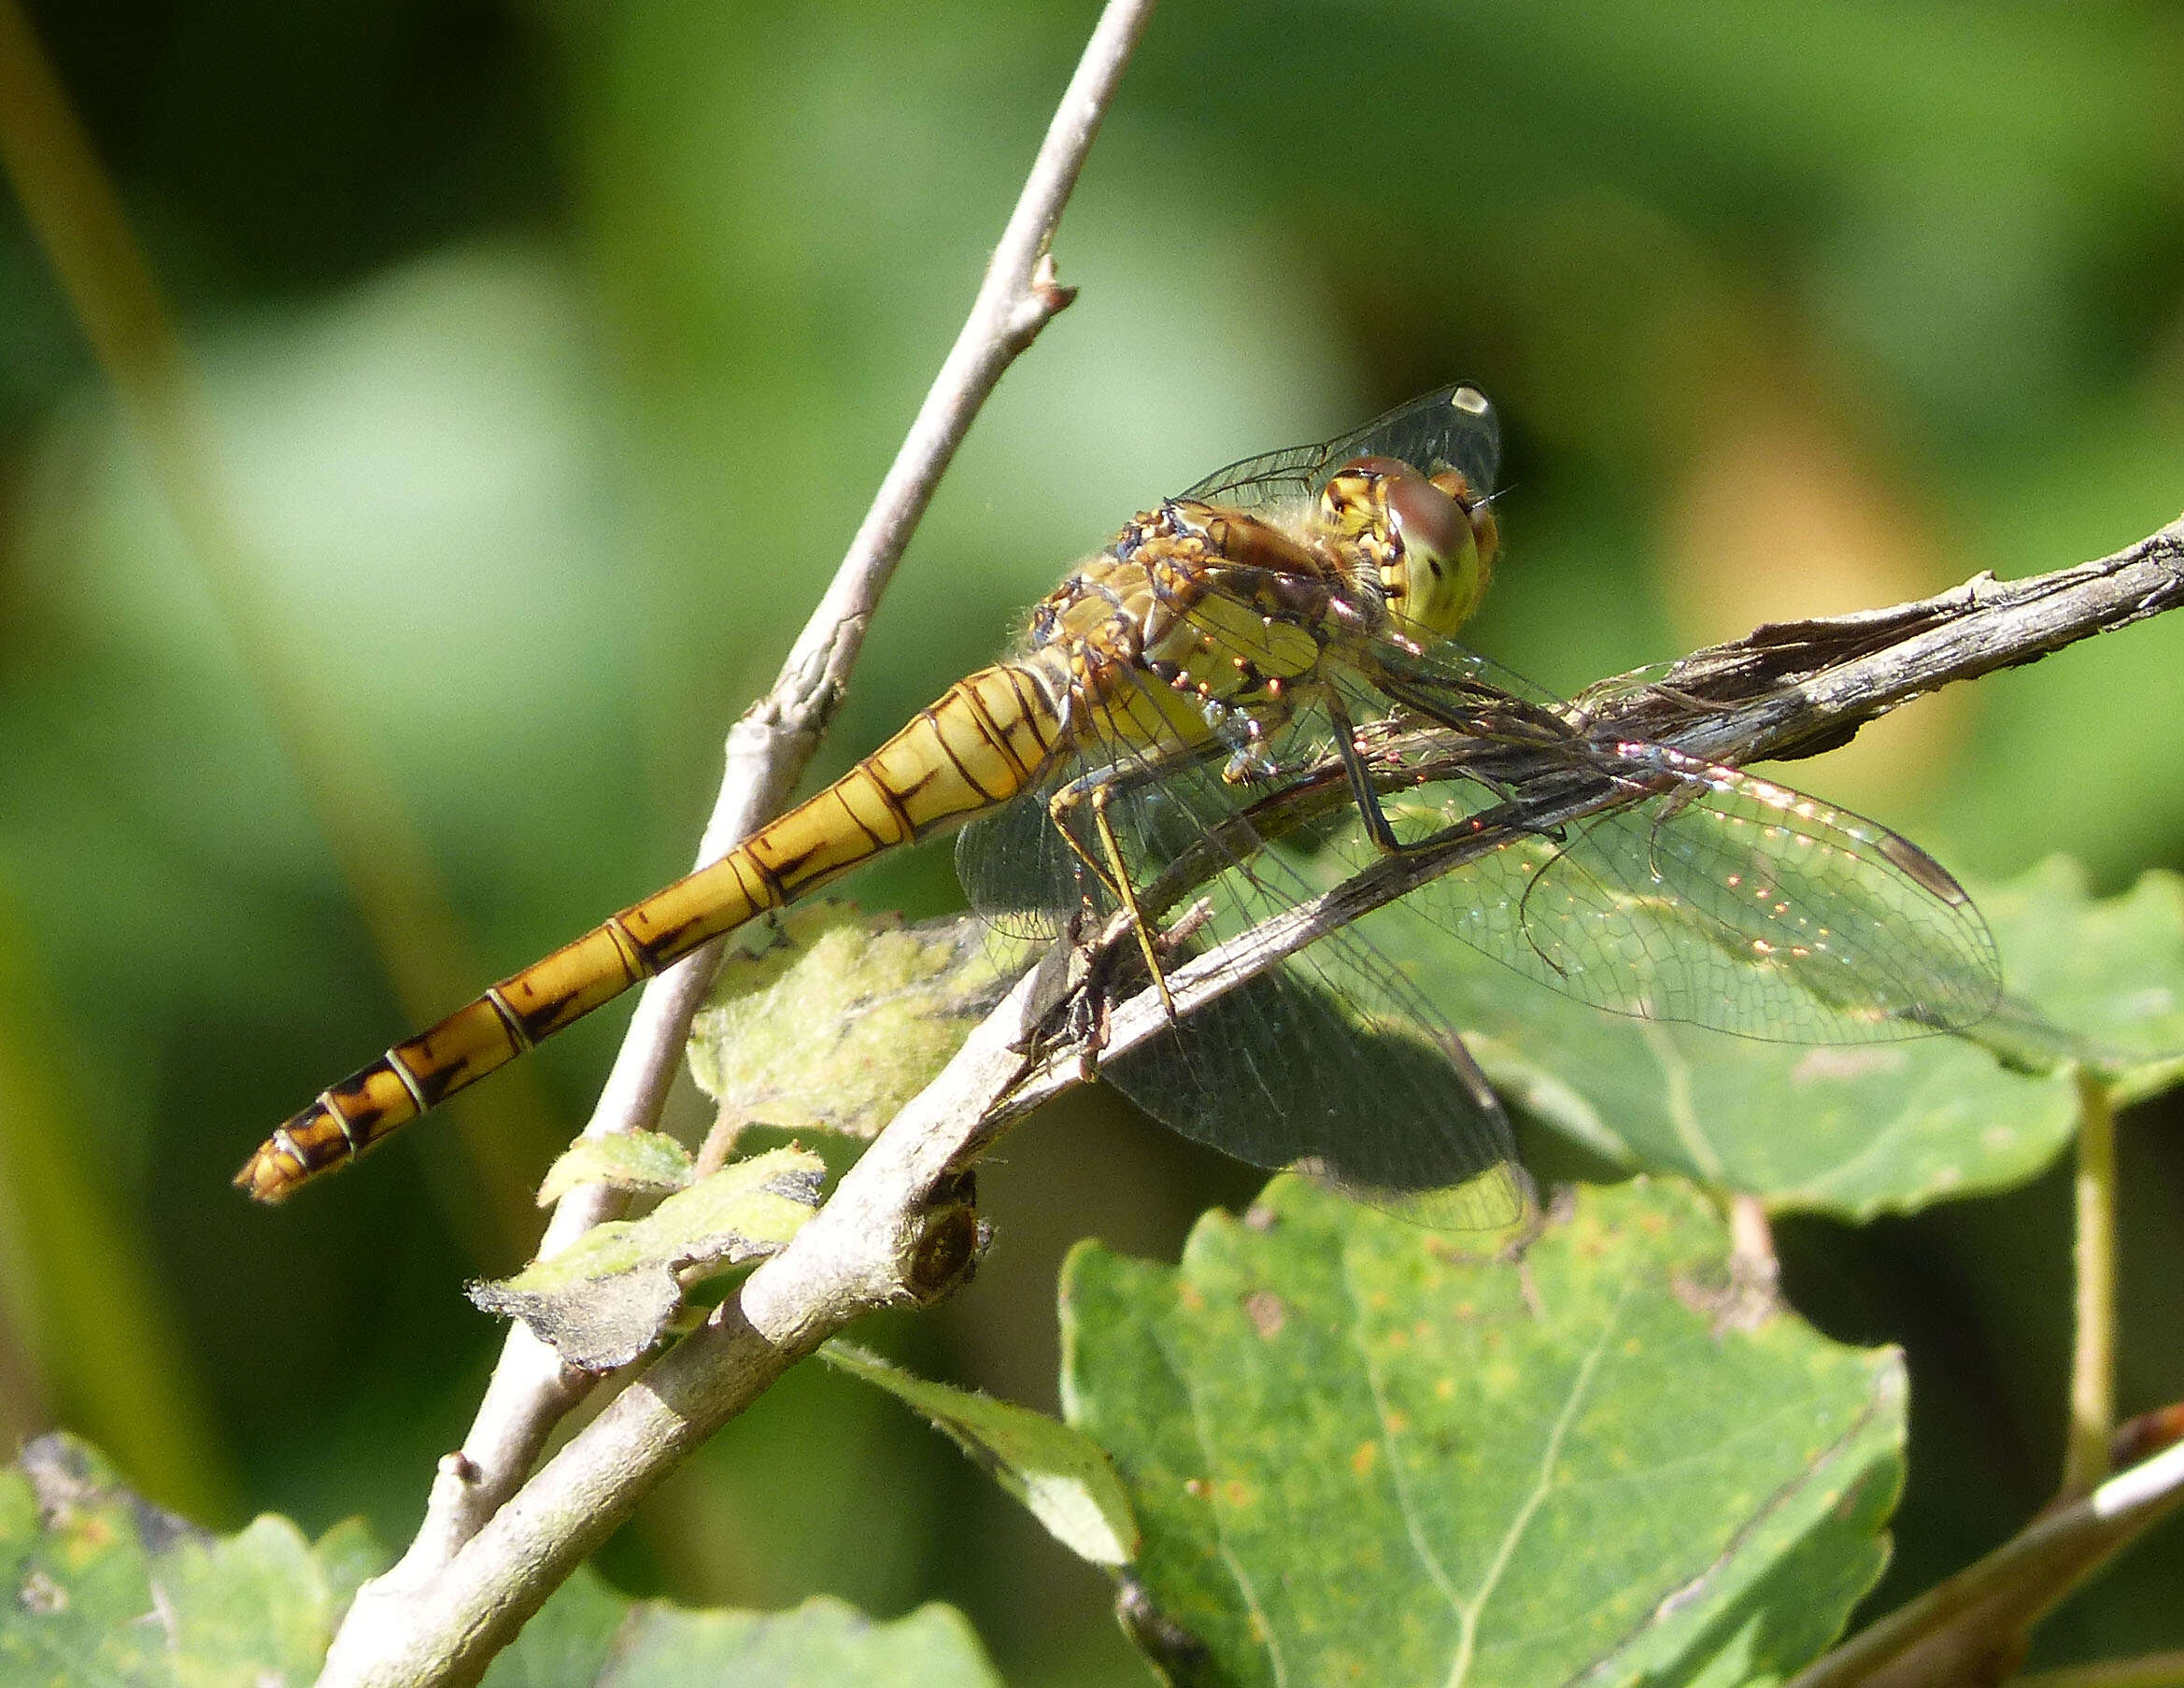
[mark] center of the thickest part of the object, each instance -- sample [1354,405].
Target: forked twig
[530,1390]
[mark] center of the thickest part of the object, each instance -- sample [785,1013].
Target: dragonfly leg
[1129,895]
[1376,821]
[1114,875]
[1059,808]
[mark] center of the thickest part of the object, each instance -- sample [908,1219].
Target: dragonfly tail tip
[263,1178]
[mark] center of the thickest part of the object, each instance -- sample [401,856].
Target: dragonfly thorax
[1196,624]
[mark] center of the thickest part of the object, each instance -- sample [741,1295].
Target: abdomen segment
[977,746]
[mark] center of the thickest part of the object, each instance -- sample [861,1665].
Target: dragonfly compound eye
[1435,571]
[1484,533]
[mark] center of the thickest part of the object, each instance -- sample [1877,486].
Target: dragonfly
[1249,693]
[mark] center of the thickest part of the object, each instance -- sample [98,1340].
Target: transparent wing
[1450,428]
[1628,875]
[1693,891]
[1018,872]
[1330,1062]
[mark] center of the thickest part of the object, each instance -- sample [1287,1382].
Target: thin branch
[1787,690]
[2093,1359]
[1949,1631]
[767,750]
[1796,687]
[868,1248]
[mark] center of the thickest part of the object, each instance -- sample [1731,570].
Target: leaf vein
[1467,1641]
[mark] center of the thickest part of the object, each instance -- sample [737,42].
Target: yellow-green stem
[2092,1364]
[77,217]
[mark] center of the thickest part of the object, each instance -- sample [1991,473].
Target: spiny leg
[1129,897]
[1367,800]
[1504,788]
[1116,876]
[1064,803]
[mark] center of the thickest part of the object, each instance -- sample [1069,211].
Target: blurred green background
[552,353]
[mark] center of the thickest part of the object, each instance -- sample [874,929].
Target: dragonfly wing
[1450,428]
[1017,871]
[1023,874]
[1329,1062]
[1696,891]
[1733,902]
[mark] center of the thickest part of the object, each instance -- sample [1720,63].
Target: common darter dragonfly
[1200,675]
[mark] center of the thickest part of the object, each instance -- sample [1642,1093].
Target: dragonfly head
[1431,540]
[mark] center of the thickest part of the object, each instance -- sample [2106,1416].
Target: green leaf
[104,1591]
[349,1554]
[1361,1452]
[647,1161]
[607,1298]
[104,1588]
[1062,1476]
[842,1020]
[1849,1130]
[1855,1132]
[2109,971]
[590,1634]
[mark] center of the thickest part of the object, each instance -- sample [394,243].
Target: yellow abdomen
[980,745]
